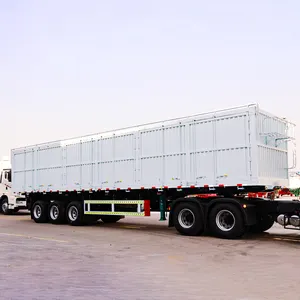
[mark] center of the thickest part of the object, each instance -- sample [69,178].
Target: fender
[3,197]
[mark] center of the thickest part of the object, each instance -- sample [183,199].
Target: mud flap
[250,214]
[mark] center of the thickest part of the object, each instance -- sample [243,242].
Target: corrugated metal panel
[86,176]
[232,132]
[49,157]
[202,168]
[151,143]
[151,171]
[29,158]
[162,154]
[86,152]
[220,147]
[233,166]
[73,178]
[107,150]
[124,174]
[18,162]
[18,165]
[29,180]
[225,150]
[174,171]
[124,147]
[73,154]
[273,138]
[47,179]
[273,165]
[201,136]
[106,178]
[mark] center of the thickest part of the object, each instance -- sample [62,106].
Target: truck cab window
[8,176]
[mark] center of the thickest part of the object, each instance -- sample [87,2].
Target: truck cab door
[6,179]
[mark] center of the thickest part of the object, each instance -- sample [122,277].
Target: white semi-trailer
[206,170]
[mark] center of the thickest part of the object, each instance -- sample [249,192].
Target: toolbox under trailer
[206,171]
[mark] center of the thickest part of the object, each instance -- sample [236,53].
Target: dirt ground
[141,258]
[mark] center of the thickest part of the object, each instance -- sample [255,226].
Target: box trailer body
[236,146]
[208,171]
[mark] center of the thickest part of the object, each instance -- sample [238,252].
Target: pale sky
[70,68]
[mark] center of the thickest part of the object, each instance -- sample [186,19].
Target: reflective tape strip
[113,201]
[118,213]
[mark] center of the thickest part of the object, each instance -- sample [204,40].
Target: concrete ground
[141,258]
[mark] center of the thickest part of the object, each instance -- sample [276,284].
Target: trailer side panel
[217,148]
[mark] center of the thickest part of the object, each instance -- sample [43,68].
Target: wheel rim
[73,213]
[225,220]
[4,206]
[54,212]
[186,218]
[37,211]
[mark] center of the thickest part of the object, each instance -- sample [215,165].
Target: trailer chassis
[225,212]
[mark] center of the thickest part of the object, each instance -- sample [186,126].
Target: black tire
[4,207]
[110,219]
[56,212]
[188,219]
[74,213]
[39,212]
[226,221]
[264,223]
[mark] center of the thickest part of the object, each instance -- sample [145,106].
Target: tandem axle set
[225,212]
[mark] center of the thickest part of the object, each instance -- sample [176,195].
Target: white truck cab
[9,201]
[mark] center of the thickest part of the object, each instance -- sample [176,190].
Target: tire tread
[239,228]
[198,227]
